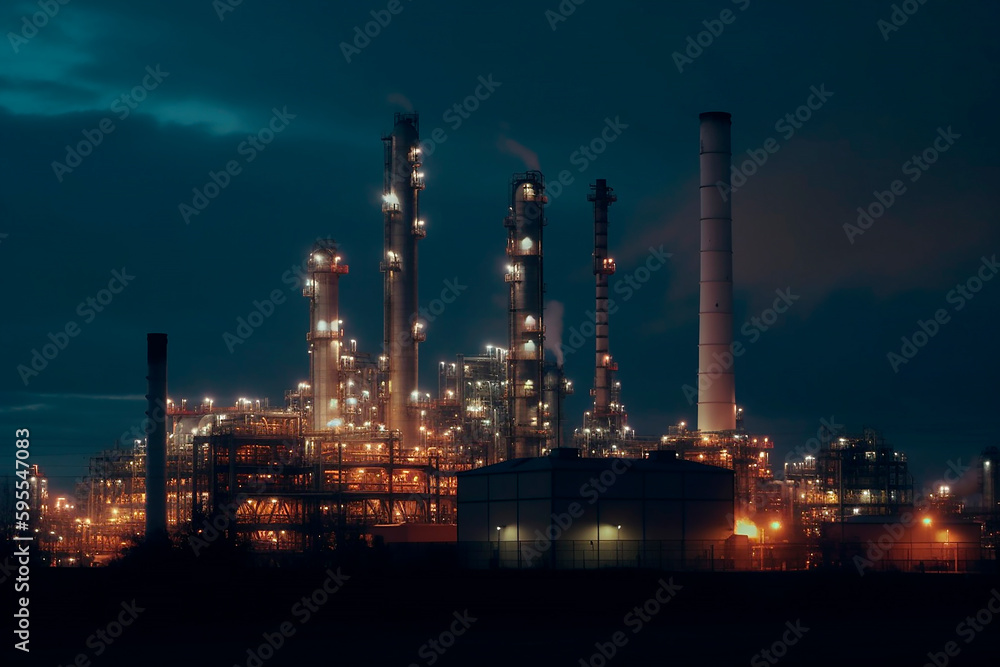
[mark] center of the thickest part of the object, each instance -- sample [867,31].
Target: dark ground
[196,617]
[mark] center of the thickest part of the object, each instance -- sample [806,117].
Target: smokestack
[403,228]
[326,336]
[557,387]
[156,443]
[716,381]
[604,266]
[525,331]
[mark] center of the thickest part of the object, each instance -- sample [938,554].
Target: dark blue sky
[322,174]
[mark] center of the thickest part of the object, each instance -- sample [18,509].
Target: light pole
[498,545]
[618,546]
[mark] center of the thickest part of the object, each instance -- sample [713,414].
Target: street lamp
[498,544]
[618,546]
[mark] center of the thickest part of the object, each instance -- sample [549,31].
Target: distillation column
[326,336]
[526,332]
[604,266]
[403,228]
[716,380]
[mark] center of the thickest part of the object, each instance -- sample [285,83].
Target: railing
[698,555]
[598,554]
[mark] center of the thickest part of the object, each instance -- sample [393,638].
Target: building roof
[567,458]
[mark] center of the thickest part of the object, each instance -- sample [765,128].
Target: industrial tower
[524,223]
[326,335]
[716,380]
[403,228]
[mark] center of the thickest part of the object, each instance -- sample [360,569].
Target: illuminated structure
[851,476]
[325,335]
[527,432]
[403,227]
[605,432]
[477,384]
[746,454]
[359,445]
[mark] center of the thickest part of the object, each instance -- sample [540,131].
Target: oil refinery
[357,451]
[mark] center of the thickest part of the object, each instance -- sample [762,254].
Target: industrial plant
[359,452]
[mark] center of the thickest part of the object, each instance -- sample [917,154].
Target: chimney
[716,381]
[156,443]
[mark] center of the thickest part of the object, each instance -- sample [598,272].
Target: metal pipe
[716,380]
[156,444]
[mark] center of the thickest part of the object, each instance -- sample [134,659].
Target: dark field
[384,617]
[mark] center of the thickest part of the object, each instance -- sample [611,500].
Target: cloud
[32,407]
[91,397]
[788,227]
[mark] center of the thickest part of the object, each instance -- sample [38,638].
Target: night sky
[206,83]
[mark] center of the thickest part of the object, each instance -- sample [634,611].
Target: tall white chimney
[716,381]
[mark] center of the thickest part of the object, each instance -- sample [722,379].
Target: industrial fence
[722,556]
[596,554]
